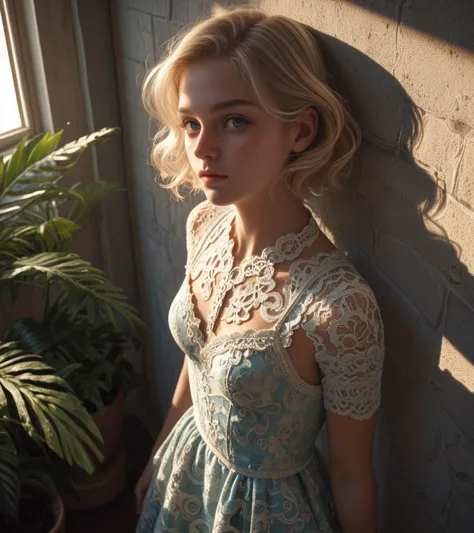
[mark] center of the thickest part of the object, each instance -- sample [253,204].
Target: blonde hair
[282,62]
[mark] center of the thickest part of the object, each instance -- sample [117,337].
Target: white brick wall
[439,149]
[464,188]
[437,76]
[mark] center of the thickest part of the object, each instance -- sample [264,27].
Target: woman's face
[227,133]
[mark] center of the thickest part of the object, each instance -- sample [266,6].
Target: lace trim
[289,246]
[209,264]
[256,294]
[242,344]
[284,367]
[248,471]
[301,272]
[239,343]
[190,319]
[203,227]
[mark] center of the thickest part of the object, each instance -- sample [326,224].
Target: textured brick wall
[141,28]
[406,219]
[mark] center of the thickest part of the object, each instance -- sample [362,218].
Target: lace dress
[243,457]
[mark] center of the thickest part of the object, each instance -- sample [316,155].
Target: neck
[260,221]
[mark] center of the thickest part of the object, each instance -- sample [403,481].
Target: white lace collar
[217,258]
[287,247]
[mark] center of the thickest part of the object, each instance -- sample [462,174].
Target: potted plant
[91,358]
[87,325]
[38,412]
[29,504]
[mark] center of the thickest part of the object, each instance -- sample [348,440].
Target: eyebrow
[222,105]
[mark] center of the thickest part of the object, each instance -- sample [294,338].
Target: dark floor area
[118,516]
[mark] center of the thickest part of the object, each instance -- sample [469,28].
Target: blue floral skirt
[193,492]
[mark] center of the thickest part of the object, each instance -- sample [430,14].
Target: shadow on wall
[449,22]
[385,218]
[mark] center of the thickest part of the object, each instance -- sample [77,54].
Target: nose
[206,146]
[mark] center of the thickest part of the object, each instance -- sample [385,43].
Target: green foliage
[29,178]
[86,287]
[45,406]
[36,402]
[32,233]
[78,345]
[90,356]
[9,475]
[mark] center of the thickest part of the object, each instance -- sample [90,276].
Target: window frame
[18,42]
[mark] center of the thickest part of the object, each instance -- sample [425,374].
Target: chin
[217,198]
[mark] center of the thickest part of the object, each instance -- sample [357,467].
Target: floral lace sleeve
[344,324]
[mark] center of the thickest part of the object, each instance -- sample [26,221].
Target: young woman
[279,331]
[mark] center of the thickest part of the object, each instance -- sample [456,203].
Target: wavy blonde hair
[281,60]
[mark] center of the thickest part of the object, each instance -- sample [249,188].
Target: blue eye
[191,126]
[187,122]
[239,122]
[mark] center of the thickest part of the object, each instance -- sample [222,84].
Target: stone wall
[405,219]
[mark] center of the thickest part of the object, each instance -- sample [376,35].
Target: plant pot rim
[58,514]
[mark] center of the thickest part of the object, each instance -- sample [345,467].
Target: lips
[208,180]
[208,174]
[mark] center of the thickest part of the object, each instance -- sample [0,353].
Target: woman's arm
[180,403]
[351,469]
[348,338]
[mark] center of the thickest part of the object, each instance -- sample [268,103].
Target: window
[16,111]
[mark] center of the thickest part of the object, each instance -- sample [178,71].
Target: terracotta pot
[56,504]
[110,423]
[97,489]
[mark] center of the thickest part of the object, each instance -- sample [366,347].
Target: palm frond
[48,236]
[46,407]
[34,169]
[9,476]
[16,241]
[89,356]
[54,233]
[80,279]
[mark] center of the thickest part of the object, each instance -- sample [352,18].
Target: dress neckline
[286,248]
[221,260]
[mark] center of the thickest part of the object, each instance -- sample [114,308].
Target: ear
[306,129]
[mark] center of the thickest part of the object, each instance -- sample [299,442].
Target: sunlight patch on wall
[452,360]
